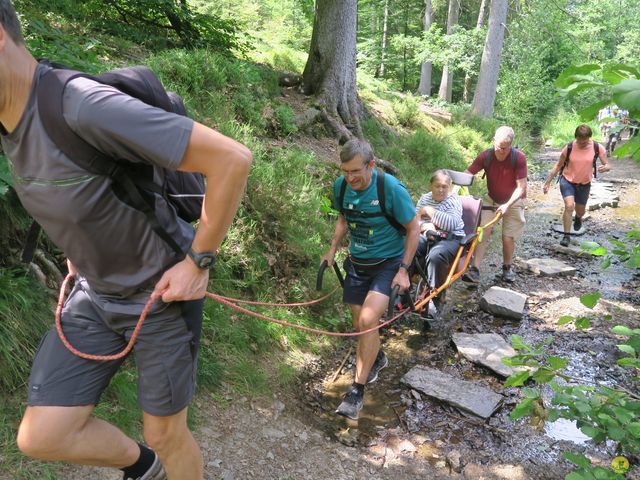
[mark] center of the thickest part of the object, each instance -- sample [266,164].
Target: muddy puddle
[441,430]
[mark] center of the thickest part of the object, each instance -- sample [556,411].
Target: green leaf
[627,349]
[624,415]
[575,476]
[524,408]
[627,94]
[577,459]
[590,431]
[566,319]
[557,363]
[606,263]
[634,261]
[634,429]
[590,112]
[570,74]
[517,379]
[518,343]
[589,300]
[622,330]
[583,323]
[544,375]
[531,392]
[616,433]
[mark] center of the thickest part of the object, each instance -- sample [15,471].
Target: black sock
[359,388]
[145,460]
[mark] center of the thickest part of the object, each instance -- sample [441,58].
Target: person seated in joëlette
[441,228]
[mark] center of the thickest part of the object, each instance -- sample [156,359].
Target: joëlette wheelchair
[420,292]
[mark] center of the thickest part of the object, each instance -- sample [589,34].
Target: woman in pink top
[577,168]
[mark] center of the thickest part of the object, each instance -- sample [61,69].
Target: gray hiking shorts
[165,352]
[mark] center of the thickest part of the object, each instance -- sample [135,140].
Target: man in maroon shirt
[506,172]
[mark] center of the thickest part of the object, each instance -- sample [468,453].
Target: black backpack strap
[50,97]
[31,243]
[343,189]
[383,205]
[514,157]
[487,161]
[566,160]
[596,155]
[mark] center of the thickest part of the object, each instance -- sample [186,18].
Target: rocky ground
[403,434]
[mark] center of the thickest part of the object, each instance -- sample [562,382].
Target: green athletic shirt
[374,237]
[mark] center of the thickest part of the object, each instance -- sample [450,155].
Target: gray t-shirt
[110,243]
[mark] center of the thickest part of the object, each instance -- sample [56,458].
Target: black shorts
[166,354]
[360,280]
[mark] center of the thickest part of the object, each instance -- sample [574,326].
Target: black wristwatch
[204,260]
[405,266]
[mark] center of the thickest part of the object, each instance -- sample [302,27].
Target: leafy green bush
[560,129]
[406,110]
[285,124]
[25,316]
[486,126]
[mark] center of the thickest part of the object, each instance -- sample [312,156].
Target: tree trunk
[447,74]
[384,39]
[425,71]
[467,78]
[330,72]
[485,95]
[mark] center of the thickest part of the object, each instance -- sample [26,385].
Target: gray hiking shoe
[565,241]
[381,362]
[508,273]
[577,223]
[351,404]
[472,275]
[155,472]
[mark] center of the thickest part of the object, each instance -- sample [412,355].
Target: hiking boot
[577,223]
[381,362]
[351,404]
[565,241]
[508,273]
[155,472]
[472,275]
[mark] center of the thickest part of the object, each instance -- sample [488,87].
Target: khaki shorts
[513,221]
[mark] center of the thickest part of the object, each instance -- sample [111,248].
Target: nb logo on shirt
[375,202]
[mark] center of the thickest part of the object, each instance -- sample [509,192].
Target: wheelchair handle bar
[323,267]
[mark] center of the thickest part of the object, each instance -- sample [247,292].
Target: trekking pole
[323,267]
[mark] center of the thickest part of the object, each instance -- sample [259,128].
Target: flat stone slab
[549,267]
[503,302]
[487,349]
[462,394]
[572,250]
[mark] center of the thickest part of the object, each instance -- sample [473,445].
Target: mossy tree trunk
[330,72]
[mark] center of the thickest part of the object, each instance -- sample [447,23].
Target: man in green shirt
[383,236]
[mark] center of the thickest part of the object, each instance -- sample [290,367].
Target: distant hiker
[506,171]
[577,166]
[118,260]
[441,228]
[377,212]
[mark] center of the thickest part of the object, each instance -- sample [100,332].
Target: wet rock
[474,471]
[459,393]
[548,267]
[503,302]
[487,349]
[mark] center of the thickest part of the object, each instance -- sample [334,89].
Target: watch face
[206,262]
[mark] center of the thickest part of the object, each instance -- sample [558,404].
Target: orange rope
[232,303]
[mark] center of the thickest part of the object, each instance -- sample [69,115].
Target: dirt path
[403,435]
